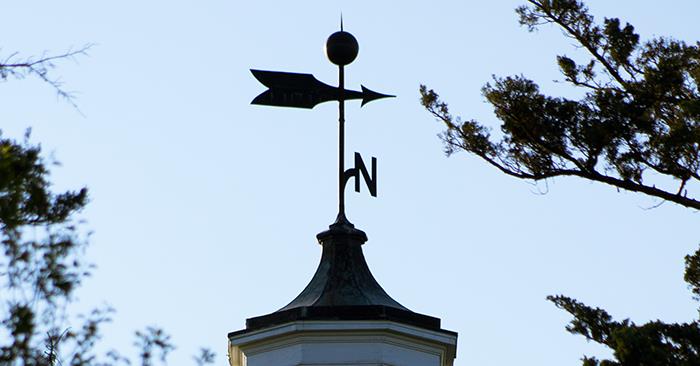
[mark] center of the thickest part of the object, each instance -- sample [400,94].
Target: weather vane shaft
[341,144]
[286,89]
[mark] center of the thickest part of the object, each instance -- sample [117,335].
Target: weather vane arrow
[288,89]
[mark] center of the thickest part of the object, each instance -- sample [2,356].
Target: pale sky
[204,209]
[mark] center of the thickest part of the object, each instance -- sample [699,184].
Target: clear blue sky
[205,209]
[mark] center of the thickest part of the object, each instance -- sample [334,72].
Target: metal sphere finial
[341,48]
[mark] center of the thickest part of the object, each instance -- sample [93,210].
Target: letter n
[371,181]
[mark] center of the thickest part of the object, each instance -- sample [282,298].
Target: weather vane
[286,89]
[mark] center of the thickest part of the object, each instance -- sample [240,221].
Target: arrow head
[369,95]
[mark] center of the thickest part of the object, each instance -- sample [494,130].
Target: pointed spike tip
[370,95]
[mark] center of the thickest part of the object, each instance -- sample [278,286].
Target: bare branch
[41,67]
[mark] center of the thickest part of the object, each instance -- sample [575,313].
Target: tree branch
[581,40]
[41,67]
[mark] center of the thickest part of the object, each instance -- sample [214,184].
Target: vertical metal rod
[341,144]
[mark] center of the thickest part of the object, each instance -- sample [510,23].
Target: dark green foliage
[41,266]
[692,273]
[41,262]
[640,115]
[151,340]
[205,356]
[653,343]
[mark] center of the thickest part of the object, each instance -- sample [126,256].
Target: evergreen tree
[42,245]
[639,119]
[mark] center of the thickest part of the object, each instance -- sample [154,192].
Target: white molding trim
[397,336]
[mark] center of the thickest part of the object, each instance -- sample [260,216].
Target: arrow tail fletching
[288,89]
[292,80]
[284,99]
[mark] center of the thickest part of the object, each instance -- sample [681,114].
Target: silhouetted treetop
[637,125]
[639,117]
